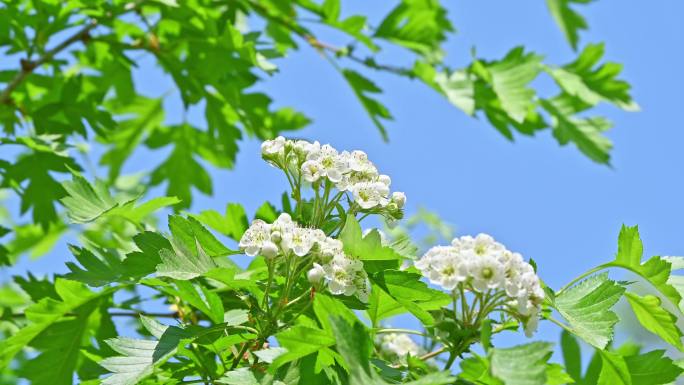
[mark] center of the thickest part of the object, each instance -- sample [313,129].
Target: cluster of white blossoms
[398,345]
[331,266]
[483,264]
[348,171]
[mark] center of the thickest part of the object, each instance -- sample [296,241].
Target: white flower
[370,194]
[399,345]
[273,147]
[315,274]
[385,179]
[312,171]
[487,273]
[482,244]
[257,236]
[531,324]
[330,163]
[330,247]
[299,241]
[399,199]
[443,266]
[304,148]
[346,276]
[283,224]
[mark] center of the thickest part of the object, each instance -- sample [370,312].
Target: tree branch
[134,314]
[28,66]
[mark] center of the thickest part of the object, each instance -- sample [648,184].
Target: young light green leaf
[139,358]
[236,317]
[179,263]
[270,354]
[586,306]
[85,202]
[354,345]
[241,376]
[232,224]
[522,364]
[408,292]
[656,270]
[362,87]
[368,248]
[569,21]
[510,77]
[459,89]
[652,368]
[47,312]
[572,355]
[655,318]
[614,370]
[301,341]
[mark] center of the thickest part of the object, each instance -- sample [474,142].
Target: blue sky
[548,202]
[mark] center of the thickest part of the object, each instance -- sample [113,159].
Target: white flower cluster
[348,171]
[342,274]
[398,345]
[483,264]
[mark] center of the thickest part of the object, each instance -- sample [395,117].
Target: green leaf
[362,87]
[656,270]
[34,170]
[522,364]
[459,89]
[586,133]
[300,341]
[614,370]
[190,233]
[47,312]
[201,298]
[586,306]
[235,317]
[98,269]
[572,355]
[652,368]
[232,224]
[509,78]
[419,25]
[242,376]
[4,252]
[655,318]
[569,21]
[591,83]
[139,357]
[368,248]
[354,345]
[556,375]
[181,263]
[408,291]
[60,345]
[676,281]
[86,203]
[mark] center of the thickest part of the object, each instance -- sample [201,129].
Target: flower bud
[316,274]
[276,236]
[399,198]
[269,250]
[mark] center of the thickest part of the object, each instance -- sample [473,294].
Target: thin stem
[433,353]
[240,355]
[404,331]
[557,322]
[265,302]
[581,277]
[28,67]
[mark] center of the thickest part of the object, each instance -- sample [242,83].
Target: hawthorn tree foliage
[312,305]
